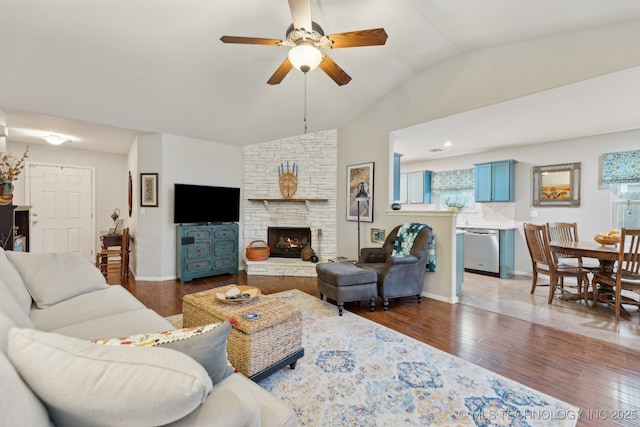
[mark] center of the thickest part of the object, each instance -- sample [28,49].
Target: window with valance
[621,167]
[454,180]
[621,170]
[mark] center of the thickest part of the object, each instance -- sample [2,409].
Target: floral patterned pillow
[206,344]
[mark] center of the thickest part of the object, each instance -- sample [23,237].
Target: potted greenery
[454,205]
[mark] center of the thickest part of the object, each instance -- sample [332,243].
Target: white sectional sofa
[56,315]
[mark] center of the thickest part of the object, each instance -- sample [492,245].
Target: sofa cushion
[86,384]
[18,405]
[225,407]
[10,307]
[14,282]
[273,412]
[92,305]
[5,325]
[206,344]
[115,325]
[51,278]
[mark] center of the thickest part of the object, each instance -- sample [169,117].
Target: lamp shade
[305,57]
[362,194]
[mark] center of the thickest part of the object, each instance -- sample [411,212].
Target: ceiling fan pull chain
[305,103]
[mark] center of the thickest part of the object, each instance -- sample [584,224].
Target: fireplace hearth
[288,242]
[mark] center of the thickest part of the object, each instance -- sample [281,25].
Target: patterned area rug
[175,320]
[358,373]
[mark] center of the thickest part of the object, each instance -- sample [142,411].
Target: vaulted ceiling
[100,72]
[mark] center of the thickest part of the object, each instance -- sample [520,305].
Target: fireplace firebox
[288,242]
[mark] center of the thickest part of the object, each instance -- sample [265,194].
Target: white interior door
[61,209]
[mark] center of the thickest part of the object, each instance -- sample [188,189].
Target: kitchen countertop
[486,227]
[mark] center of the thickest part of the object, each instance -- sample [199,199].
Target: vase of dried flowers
[10,168]
[7,188]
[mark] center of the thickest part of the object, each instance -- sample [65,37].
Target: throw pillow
[51,278]
[14,282]
[19,406]
[10,307]
[86,384]
[206,344]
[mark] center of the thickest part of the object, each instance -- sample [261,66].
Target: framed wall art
[377,235]
[130,194]
[149,190]
[556,185]
[360,181]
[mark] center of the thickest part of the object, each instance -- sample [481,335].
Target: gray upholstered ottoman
[345,282]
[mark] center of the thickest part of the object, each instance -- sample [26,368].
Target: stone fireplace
[288,242]
[312,208]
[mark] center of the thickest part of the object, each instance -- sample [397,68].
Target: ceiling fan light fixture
[55,139]
[305,57]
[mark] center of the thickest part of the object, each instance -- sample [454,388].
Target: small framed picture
[377,235]
[149,190]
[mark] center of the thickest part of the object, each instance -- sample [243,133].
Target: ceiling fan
[305,38]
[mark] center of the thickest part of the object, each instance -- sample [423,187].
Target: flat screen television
[204,204]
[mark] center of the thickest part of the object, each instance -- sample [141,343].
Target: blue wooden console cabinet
[206,250]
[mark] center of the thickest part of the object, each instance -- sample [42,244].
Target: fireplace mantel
[266,201]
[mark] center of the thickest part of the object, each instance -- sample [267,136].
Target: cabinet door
[483,183]
[501,175]
[404,187]
[396,176]
[416,187]
[499,179]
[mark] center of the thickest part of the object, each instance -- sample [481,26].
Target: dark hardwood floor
[600,378]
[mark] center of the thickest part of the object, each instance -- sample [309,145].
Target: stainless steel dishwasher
[482,251]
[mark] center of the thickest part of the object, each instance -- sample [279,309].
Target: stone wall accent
[316,157]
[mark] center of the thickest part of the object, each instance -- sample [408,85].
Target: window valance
[460,179]
[620,167]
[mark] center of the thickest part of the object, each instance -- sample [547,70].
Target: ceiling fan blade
[334,71]
[374,37]
[250,40]
[301,14]
[281,72]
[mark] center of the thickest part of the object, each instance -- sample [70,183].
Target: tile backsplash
[494,214]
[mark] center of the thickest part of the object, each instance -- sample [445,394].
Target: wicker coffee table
[258,347]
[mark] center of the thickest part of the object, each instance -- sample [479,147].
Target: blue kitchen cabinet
[459,261]
[495,181]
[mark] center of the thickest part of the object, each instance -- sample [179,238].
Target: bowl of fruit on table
[610,238]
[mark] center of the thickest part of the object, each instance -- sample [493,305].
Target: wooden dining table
[605,254]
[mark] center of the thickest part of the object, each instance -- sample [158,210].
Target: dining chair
[544,262]
[568,232]
[608,287]
[112,261]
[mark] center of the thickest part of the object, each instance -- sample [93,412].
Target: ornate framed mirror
[556,185]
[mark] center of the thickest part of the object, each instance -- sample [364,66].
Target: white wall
[3,139]
[183,160]
[469,81]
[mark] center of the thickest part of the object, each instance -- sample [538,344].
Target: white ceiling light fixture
[305,57]
[56,139]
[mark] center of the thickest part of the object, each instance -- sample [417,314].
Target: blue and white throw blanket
[404,242]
